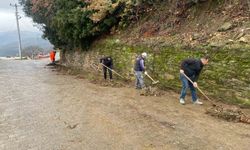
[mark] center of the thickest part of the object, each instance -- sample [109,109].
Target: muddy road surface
[43,110]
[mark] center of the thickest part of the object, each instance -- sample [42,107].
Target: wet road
[43,110]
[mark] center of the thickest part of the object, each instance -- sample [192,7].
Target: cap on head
[144,55]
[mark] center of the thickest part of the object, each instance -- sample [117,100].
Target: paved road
[43,110]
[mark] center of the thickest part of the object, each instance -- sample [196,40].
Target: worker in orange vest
[52,56]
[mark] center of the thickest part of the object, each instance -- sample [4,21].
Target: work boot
[197,102]
[182,101]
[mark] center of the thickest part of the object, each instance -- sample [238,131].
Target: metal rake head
[155,82]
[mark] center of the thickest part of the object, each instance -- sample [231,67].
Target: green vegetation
[71,25]
[225,78]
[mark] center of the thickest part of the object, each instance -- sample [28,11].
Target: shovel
[154,82]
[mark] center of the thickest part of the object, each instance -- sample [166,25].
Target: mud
[45,110]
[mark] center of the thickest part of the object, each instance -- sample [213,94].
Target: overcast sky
[8,20]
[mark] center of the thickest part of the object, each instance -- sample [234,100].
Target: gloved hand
[145,72]
[195,84]
[182,71]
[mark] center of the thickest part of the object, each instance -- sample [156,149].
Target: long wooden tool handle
[113,71]
[95,67]
[198,88]
[150,77]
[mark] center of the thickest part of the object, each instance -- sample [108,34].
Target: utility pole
[18,30]
[248,2]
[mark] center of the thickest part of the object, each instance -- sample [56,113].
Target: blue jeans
[139,84]
[185,85]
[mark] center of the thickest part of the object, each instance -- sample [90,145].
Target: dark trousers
[105,73]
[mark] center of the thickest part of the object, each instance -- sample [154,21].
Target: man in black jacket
[107,61]
[192,68]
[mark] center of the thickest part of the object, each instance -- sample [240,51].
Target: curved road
[44,110]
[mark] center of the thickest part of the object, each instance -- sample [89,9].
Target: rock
[218,40]
[216,44]
[243,40]
[226,26]
[230,41]
[195,36]
[239,35]
[117,41]
[169,76]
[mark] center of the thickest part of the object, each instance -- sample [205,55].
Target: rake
[154,82]
[113,71]
[200,90]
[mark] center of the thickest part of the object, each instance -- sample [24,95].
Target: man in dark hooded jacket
[192,69]
[107,61]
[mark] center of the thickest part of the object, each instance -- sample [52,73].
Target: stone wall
[226,77]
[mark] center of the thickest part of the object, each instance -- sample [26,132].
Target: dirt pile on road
[93,77]
[151,91]
[229,114]
[107,83]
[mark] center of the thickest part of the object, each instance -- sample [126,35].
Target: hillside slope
[9,42]
[170,33]
[206,25]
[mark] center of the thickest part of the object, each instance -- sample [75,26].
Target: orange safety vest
[52,56]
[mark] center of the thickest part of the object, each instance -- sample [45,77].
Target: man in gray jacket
[139,69]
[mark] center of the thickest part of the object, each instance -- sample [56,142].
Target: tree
[75,24]
[32,51]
